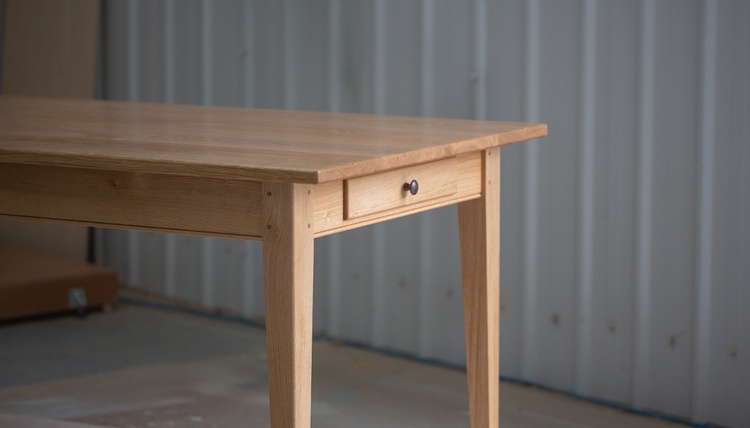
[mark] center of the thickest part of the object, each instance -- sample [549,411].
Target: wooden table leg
[288,273]
[479,228]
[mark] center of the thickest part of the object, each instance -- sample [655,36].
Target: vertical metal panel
[148,42]
[268,54]
[224,44]
[741,378]
[357,301]
[189,270]
[615,150]
[478,73]
[227,259]
[645,125]
[702,299]
[306,49]
[115,40]
[529,196]
[356,45]
[506,72]
[451,35]
[186,81]
[625,233]
[673,204]
[557,196]
[401,51]
[728,332]
[585,268]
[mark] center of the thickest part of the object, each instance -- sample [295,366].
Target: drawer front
[384,191]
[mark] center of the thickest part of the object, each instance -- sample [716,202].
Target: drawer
[384,191]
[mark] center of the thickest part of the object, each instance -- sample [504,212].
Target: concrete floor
[143,367]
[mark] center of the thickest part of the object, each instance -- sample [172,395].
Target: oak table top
[282,177]
[236,143]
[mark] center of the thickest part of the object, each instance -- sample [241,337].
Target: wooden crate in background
[49,49]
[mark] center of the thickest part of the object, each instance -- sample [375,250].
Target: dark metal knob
[412,187]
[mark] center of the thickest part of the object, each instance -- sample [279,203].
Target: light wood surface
[50,47]
[186,204]
[288,275]
[380,192]
[62,240]
[285,177]
[479,229]
[182,204]
[329,217]
[221,142]
[33,283]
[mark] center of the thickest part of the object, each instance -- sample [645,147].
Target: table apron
[131,200]
[329,213]
[187,204]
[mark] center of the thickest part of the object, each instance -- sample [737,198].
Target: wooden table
[282,177]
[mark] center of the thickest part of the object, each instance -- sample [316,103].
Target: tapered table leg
[479,228]
[288,273]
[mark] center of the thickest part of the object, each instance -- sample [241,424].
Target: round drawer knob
[412,187]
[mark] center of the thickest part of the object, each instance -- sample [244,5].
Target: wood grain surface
[32,283]
[131,200]
[380,192]
[329,209]
[288,279]
[221,142]
[50,48]
[479,229]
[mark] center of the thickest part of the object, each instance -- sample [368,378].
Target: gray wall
[625,233]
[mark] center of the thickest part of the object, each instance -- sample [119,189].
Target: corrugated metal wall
[625,234]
